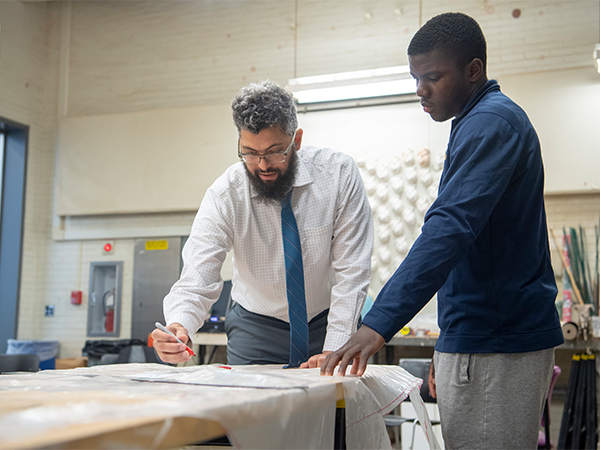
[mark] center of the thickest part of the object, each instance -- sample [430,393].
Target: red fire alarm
[76,297]
[108,247]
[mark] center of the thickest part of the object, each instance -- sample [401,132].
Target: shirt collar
[303,177]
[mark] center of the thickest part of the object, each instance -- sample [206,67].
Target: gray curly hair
[262,105]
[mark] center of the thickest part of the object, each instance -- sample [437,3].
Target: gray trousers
[257,339]
[492,400]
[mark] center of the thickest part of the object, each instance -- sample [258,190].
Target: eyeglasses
[271,158]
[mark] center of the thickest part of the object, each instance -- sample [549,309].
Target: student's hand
[361,345]
[314,361]
[431,381]
[167,347]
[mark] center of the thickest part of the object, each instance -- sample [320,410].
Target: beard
[277,190]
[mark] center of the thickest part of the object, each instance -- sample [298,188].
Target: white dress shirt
[336,233]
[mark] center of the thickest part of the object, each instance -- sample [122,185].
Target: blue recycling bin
[47,351]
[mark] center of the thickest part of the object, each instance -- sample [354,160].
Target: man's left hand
[314,361]
[361,345]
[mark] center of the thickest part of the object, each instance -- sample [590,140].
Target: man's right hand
[167,347]
[361,345]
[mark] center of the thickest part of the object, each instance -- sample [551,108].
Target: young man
[483,248]
[315,278]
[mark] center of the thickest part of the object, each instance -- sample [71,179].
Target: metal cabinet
[156,267]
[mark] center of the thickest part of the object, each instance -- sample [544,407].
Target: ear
[475,71]
[299,133]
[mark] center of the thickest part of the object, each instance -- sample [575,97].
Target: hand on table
[314,361]
[167,347]
[361,345]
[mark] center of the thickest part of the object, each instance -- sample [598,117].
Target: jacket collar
[489,86]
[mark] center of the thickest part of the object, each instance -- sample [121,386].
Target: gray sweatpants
[492,400]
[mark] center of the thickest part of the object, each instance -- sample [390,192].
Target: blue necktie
[294,280]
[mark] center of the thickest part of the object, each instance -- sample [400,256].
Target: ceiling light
[362,84]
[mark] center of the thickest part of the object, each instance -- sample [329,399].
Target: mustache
[278,189]
[258,170]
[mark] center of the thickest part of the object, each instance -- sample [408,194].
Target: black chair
[418,367]
[137,352]
[19,363]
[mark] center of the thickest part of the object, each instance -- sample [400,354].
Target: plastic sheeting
[380,390]
[258,406]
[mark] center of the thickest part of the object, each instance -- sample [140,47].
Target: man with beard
[316,280]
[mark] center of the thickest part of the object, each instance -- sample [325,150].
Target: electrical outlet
[49,311]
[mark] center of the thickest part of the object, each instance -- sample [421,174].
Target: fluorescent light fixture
[389,81]
[597,57]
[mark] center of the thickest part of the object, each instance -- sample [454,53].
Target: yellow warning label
[157,245]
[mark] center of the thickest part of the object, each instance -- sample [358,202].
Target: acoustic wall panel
[149,161]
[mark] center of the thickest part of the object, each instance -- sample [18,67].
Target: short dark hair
[261,105]
[456,34]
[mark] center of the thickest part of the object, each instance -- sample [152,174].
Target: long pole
[568,269]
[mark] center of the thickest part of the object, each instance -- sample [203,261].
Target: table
[211,340]
[159,406]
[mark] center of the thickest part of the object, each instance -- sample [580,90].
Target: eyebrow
[431,72]
[265,150]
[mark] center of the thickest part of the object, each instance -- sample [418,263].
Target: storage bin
[47,351]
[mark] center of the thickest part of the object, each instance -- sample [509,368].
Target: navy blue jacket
[484,244]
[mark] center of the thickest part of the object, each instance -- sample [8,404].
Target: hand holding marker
[161,327]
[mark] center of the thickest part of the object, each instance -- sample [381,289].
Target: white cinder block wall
[28,89]
[141,55]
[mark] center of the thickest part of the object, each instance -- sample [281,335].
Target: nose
[421,89]
[263,164]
